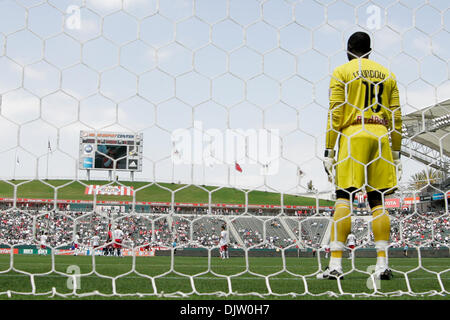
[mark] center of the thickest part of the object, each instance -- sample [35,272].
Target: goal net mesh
[231,97]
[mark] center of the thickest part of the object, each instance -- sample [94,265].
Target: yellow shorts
[365,159]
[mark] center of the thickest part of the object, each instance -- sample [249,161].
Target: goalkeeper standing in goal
[365,115]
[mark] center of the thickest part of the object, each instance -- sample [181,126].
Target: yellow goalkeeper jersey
[363,91]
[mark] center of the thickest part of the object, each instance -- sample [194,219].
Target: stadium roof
[430,127]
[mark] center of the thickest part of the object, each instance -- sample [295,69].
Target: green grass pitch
[245,282]
[73,190]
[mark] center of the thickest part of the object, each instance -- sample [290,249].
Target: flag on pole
[265,169]
[176,154]
[237,167]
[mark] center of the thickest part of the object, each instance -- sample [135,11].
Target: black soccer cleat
[331,275]
[335,274]
[386,274]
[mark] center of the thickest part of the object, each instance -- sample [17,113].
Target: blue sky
[157,66]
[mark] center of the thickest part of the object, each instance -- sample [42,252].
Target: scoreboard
[110,151]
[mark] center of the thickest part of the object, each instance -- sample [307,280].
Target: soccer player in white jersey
[95,242]
[326,249]
[118,237]
[351,242]
[43,244]
[76,239]
[223,243]
[361,197]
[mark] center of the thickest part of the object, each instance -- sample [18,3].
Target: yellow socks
[342,221]
[340,229]
[381,228]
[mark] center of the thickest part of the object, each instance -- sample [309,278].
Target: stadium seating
[263,231]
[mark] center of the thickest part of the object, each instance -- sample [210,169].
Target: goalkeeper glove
[397,163]
[328,163]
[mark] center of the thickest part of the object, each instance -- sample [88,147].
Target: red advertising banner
[165,204]
[392,203]
[109,190]
[139,253]
[8,251]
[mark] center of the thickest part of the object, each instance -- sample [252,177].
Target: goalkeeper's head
[358,46]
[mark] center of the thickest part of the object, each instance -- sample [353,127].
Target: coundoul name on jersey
[369,74]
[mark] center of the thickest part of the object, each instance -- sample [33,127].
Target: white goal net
[231,99]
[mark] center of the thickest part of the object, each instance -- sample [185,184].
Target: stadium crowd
[414,229]
[189,227]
